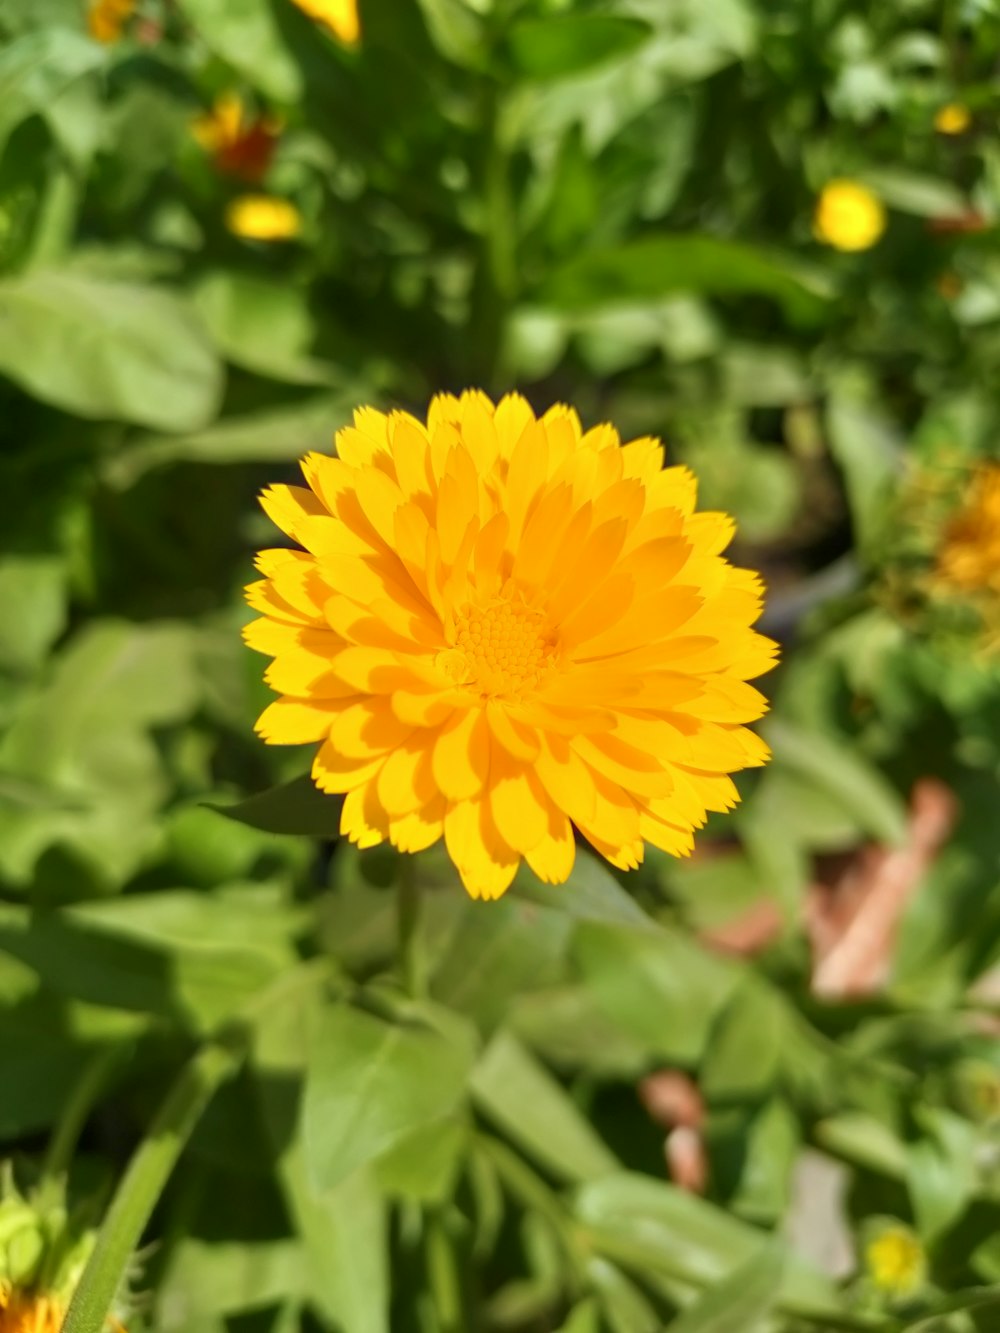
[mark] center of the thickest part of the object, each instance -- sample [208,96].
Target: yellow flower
[952,119]
[240,144]
[896,1262]
[340,16]
[848,216]
[501,627]
[263,217]
[28,1312]
[106,19]
[969,556]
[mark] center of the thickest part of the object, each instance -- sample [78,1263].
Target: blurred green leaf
[660,265]
[33,597]
[848,778]
[742,1302]
[108,349]
[226,1279]
[36,68]
[248,35]
[869,451]
[659,985]
[552,47]
[457,30]
[743,1058]
[512,1089]
[424,1165]
[369,1084]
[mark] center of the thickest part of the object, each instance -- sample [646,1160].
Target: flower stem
[74,1116]
[410,961]
[144,1180]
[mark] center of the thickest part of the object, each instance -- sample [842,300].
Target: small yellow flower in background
[263,217]
[501,627]
[241,144]
[339,16]
[27,1312]
[848,216]
[969,555]
[953,119]
[896,1261]
[106,19]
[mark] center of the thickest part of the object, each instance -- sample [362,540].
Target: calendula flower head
[895,1260]
[954,118]
[338,16]
[106,19]
[969,555]
[241,144]
[42,1257]
[848,216]
[501,626]
[263,217]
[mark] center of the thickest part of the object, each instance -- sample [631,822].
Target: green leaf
[744,1052]
[869,450]
[205,1279]
[550,48]
[652,1226]
[457,30]
[108,349]
[742,1302]
[512,1089]
[835,768]
[33,597]
[369,1084]
[942,1173]
[247,35]
[424,1165]
[36,68]
[659,265]
[260,324]
[297,807]
[189,958]
[658,985]
[590,894]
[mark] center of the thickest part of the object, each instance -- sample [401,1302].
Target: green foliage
[445,1118]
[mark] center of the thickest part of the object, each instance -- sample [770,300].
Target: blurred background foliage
[756,1090]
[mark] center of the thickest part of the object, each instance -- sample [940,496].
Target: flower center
[502,648]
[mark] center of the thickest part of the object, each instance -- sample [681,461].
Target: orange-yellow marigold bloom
[969,556]
[848,216]
[240,144]
[339,16]
[106,19]
[263,217]
[954,118]
[500,627]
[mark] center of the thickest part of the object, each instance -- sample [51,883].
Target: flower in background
[240,144]
[263,217]
[969,553]
[501,627]
[339,16]
[895,1261]
[952,119]
[106,19]
[848,216]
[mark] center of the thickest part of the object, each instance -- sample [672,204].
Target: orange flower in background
[106,19]
[952,119]
[969,556]
[263,217]
[339,16]
[501,626]
[241,145]
[848,216]
[25,1312]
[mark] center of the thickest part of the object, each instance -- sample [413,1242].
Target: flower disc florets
[500,627]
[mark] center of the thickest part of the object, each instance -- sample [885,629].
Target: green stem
[56,220]
[144,1180]
[81,1100]
[409,921]
[442,1275]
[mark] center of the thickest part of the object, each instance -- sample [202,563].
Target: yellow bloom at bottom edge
[263,217]
[500,627]
[848,216]
[339,16]
[28,1312]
